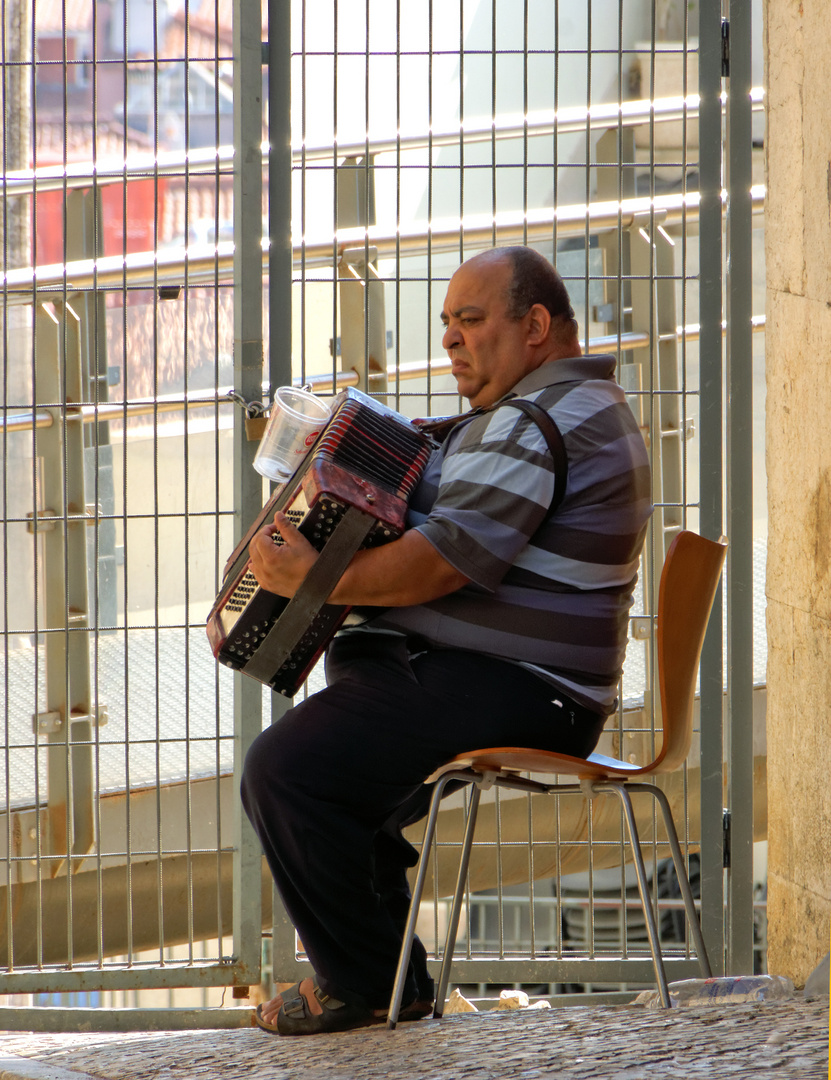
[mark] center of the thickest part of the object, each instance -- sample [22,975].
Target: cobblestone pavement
[785,1040]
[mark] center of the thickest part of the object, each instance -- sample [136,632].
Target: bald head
[506,313]
[533,280]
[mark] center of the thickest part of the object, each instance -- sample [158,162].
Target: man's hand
[281,567]
[406,571]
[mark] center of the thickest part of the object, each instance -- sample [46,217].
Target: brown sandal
[417,1011]
[296,1017]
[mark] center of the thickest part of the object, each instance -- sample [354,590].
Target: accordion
[350,491]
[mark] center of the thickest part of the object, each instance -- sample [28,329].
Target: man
[503,624]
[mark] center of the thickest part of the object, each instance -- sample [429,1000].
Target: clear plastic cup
[296,419]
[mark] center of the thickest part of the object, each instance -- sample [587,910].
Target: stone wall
[798,350]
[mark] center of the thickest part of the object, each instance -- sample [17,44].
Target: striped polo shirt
[551,592]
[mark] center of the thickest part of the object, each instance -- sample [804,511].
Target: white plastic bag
[734,989]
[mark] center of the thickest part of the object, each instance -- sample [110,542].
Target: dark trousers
[329,786]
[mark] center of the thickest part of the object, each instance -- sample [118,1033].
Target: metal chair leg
[458,895]
[643,885]
[415,902]
[683,879]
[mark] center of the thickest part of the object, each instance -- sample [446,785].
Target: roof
[50,15]
[53,16]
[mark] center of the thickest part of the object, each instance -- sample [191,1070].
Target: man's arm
[406,571]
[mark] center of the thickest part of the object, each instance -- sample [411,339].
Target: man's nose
[451,337]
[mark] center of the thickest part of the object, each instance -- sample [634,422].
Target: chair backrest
[689,580]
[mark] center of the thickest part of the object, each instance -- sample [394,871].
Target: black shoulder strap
[554,440]
[441,427]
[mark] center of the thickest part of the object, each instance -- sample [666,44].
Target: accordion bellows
[351,491]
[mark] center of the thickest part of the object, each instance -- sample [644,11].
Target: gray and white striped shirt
[551,592]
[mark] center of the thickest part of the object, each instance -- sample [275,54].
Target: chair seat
[517,759]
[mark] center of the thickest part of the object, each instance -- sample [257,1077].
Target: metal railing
[212,162]
[322,384]
[215,262]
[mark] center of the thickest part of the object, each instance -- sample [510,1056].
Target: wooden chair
[690,577]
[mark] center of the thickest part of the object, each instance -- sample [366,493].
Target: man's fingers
[275,532]
[286,528]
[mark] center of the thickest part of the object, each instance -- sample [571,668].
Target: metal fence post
[248,374]
[739,311]
[279,309]
[70,713]
[711,473]
[84,240]
[363,329]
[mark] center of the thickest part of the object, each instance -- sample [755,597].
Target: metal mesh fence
[117,313]
[423,135]
[420,134]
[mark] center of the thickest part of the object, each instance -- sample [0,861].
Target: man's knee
[254,773]
[268,764]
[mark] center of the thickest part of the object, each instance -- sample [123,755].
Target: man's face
[488,349]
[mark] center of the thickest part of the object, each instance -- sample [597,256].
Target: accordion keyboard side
[367,457]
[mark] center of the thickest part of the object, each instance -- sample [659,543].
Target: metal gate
[598,134]
[141,309]
[121,842]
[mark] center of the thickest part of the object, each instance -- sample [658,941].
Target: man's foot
[267,1011]
[306,1009]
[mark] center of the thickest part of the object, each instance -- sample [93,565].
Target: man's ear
[539,324]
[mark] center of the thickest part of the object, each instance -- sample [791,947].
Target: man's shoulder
[556,386]
[568,371]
